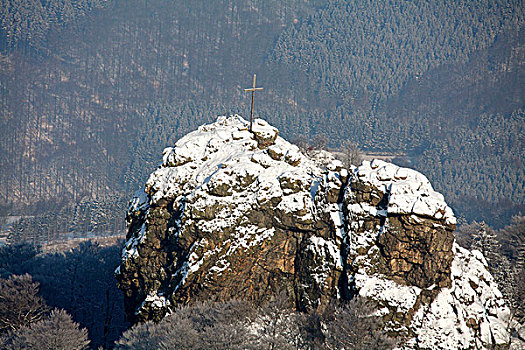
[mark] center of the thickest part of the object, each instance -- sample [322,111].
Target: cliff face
[402,255]
[237,214]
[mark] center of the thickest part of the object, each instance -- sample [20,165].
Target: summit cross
[253,89]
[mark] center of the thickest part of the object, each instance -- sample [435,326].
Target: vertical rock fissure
[345,284]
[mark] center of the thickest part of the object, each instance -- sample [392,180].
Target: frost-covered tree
[350,326]
[203,326]
[57,332]
[485,240]
[512,238]
[505,255]
[352,155]
[276,325]
[20,303]
[515,288]
[465,234]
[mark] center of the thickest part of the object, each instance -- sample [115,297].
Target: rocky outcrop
[237,214]
[229,214]
[402,255]
[402,216]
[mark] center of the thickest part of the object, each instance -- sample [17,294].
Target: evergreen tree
[485,240]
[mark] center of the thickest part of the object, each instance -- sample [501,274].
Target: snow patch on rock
[409,192]
[469,315]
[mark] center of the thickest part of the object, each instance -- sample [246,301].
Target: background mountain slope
[92,91]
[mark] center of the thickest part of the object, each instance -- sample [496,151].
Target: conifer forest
[92,91]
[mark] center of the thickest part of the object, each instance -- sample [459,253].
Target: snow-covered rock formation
[237,214]
[402,254]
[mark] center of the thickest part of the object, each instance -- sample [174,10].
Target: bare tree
[20,304]
[302,143]
[174,332]
[350,326]
[514,292]
[276,324]
[465,234]
[354,326]
[352,155]
[319,142]
[57,332]
[202,326]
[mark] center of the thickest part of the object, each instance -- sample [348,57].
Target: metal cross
[253,89]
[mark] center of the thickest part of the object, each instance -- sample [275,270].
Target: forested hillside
[368,50]
[92,91]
